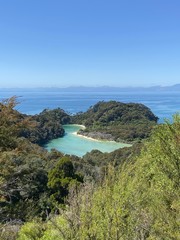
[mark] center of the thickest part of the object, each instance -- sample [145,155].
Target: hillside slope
[117,121]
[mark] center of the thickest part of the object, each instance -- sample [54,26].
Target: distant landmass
[175,87]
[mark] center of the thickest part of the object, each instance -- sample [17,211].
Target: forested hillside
[47,126]
[140,200]
[117,121]
[38,128]
[32,181]
[131,193]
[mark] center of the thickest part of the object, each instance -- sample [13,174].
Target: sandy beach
[82,136]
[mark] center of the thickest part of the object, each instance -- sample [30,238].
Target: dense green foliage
[117,121]
[61,178]
[33,184]
[47,126]
[24,180]
[93,165]
[11,123]
[131,193]
[38,128]
[26,188]
[139,201]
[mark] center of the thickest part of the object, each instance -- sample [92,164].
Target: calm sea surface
[163,105]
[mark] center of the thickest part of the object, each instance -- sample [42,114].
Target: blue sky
[58,43]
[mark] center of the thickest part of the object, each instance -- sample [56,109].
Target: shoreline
[79,125]
[82,126]
[95,139]
[90,138]
[101,140]
[82,136]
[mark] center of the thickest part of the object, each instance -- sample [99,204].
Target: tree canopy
[117,121]
[131,193]
[140,200]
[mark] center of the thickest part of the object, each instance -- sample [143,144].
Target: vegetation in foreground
[140,200]
[121,195]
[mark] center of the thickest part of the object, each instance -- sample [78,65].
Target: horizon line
[84,86]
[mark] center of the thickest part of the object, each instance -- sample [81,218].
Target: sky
[60,43]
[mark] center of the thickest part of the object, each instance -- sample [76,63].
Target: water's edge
[75,144]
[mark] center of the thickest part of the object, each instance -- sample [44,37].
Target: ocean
[163,104]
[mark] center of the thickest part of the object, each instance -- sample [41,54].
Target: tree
[8,128]
[23,182]
[61,178]
[139,201]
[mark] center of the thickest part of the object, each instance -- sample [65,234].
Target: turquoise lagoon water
[77,145]
[163,104]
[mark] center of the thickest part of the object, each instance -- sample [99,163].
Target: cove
[78,145]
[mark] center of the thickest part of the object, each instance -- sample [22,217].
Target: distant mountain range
[97,89]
